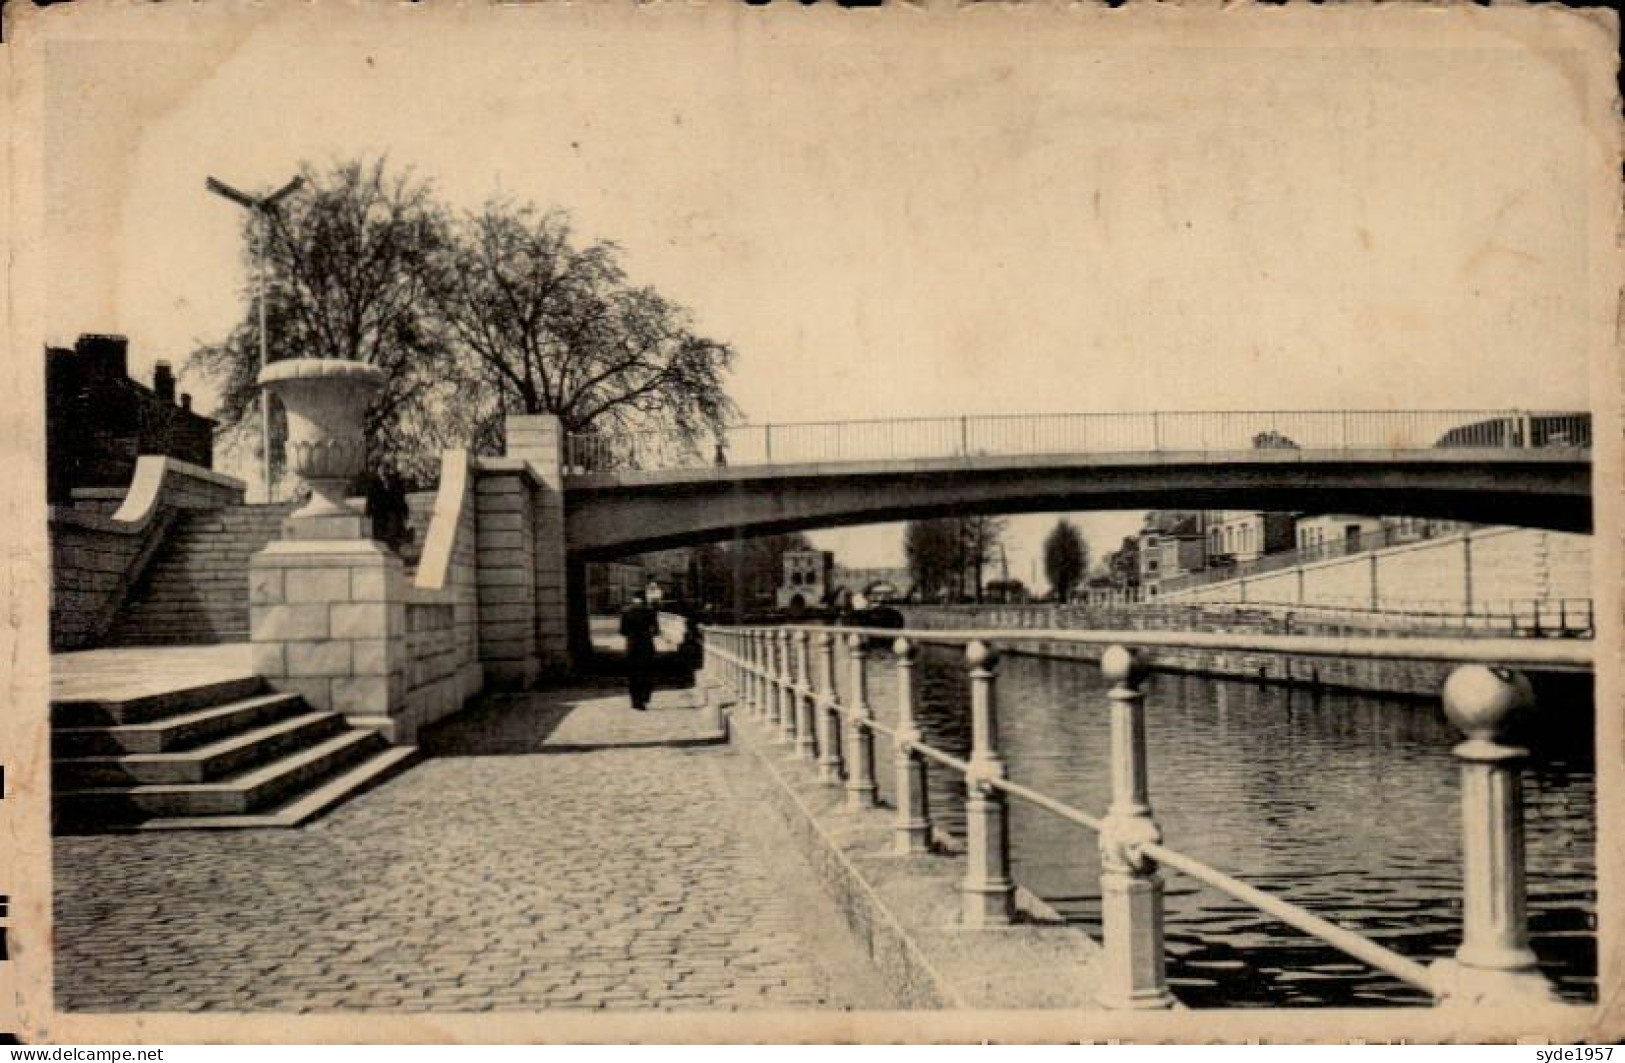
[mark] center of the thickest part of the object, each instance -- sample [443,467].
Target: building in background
[1172,544]
[1246,535]
[878,584]
[806,579]
[98,420]
[611,584]
[674,572]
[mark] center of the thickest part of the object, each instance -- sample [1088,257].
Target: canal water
[1347,805]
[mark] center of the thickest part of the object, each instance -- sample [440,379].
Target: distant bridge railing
[771,670]
[1078,433]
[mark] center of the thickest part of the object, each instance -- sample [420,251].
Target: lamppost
[262,207]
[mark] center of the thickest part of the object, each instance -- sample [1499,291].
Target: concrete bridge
[616,513]
[630,493]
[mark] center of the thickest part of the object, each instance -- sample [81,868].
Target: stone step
[174,732]
[217,759]
[157,616]
[163,630]
[250,791]
[214,638]
[149,707]
[304,807]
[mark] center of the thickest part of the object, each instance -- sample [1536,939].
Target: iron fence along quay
[784,678]
[1069,433]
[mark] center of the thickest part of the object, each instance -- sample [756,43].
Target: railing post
[913,831]
[785,709]
[829,734]
[806,741]
[758,641]
[860,776]
[1132,970]
[797,663]
[1494,963]
[989,893]
[775,684]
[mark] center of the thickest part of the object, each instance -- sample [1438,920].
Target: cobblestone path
[622,876]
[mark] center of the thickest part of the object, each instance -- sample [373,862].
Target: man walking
[638,626]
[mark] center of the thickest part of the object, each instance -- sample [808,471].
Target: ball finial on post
[980,655]
[1482,701]
[1124,667]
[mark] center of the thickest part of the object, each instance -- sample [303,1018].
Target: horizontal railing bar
[1049,804]
[1342,938]
[1167,416]
[946,759]
[1508,652]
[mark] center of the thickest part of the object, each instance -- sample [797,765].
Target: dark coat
[639,625]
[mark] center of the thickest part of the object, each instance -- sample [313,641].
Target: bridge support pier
[525,583]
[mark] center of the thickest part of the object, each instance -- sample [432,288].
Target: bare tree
[554,327]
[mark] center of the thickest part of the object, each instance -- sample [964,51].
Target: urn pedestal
[327,605]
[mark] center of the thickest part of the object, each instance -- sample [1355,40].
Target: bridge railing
[784,679]
[1079,433]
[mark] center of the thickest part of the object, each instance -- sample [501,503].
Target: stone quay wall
[97,556]
[1476,571]
[1389,677]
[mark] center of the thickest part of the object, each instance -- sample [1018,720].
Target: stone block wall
[521,569]
[539,441]
[339,622]
[96,557]
[328,622]
[506,578]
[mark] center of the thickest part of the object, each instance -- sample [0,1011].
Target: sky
[1042,215]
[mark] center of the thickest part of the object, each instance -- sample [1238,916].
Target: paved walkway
[501,873]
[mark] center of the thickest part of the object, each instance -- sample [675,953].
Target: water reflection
[1345,804]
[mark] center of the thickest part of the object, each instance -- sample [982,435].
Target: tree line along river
[1345,804]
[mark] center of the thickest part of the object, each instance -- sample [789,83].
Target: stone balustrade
[1494,965]
[97,556]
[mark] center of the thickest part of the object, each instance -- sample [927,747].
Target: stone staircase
[226,753]
[195,590]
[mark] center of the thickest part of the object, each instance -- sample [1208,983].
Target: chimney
[186,401]
[104,354]
[163,381]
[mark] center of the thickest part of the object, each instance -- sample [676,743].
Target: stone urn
[326,400]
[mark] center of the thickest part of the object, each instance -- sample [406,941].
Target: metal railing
[1078,433]
[770,669]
